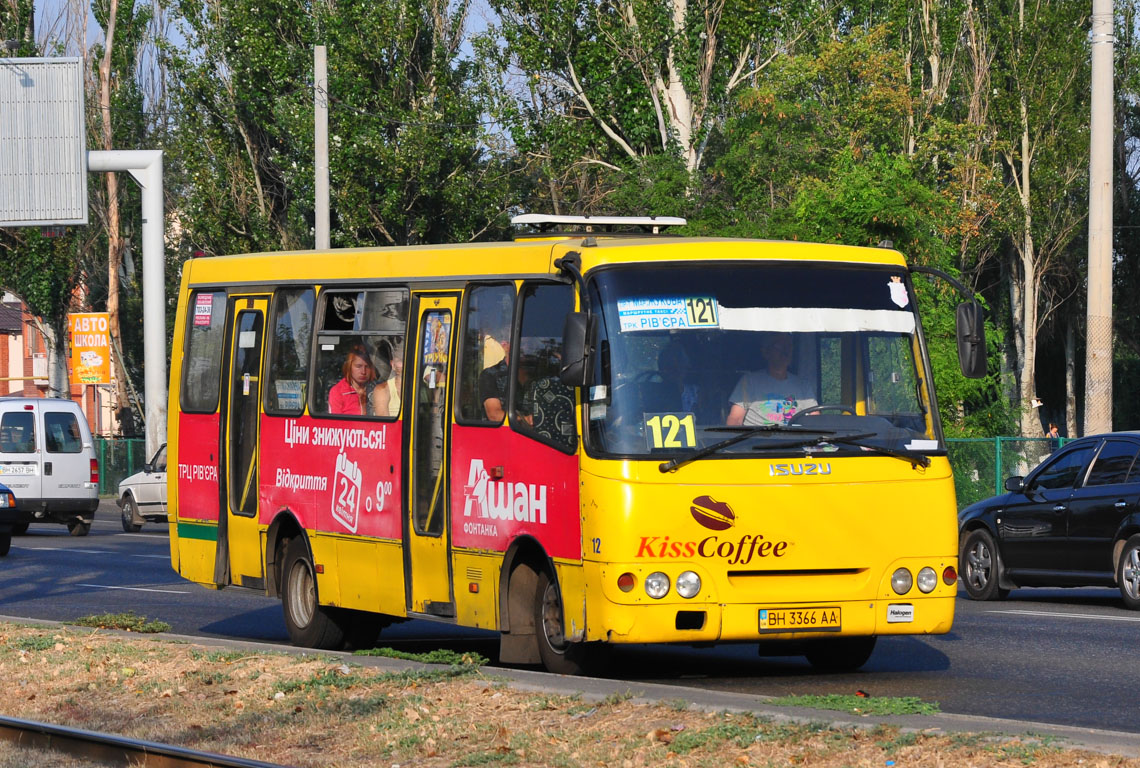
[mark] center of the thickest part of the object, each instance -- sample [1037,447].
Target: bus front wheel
[558,655]
[309,624]
[842,654]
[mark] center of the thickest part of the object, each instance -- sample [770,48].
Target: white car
[142,496]
[47,459]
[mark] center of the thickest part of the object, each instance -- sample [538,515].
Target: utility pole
[1098,344]
[321,145]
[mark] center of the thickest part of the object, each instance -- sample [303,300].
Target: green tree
[604,86]
[410,160]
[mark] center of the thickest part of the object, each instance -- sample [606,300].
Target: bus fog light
[657,585]
[901,581]
[626,582]
[688,584]
[927,580]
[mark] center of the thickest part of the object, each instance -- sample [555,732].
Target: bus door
[239,543]
[428,433]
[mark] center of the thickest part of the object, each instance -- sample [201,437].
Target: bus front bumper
[689,622]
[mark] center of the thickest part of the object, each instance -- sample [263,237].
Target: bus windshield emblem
[799,468]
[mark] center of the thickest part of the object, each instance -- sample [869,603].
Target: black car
[1073,521]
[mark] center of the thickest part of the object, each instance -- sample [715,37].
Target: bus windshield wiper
[856,441]
[744,434]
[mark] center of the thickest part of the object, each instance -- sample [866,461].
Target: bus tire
[842,654]
[980,564]
[558,656]
[309,624]
[361,628]
[78,528]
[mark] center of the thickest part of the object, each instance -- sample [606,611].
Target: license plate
[827,619]
[17,469]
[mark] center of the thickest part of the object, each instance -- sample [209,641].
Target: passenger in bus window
[672,391]
[386,397]
[524,396]
[351,395]
[773,395]
[493,380]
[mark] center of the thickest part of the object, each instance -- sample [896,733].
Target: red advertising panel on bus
[504,485]
[198,460]
[337,476]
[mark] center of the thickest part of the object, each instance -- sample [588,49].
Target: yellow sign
[90,347]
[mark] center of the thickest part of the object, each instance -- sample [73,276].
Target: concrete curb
[597,689]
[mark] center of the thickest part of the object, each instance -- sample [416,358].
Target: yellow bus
[596,434]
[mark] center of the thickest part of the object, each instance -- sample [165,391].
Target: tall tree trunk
[114,235]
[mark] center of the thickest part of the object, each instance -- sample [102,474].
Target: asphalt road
[1052,656]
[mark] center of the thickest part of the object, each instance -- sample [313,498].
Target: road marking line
[135,589]
[156,557]
[1069,615]
[69,549]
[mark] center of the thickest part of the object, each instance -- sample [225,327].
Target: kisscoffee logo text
[733,551]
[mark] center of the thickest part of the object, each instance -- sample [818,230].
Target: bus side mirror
[578,336]
[971,331]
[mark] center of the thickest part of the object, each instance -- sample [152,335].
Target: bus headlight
[927,580]
[901,581]
[657,585]
[688,584]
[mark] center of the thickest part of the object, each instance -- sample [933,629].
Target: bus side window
[289,353]
[541,405]
[360,326]
[484,359]
[202,358]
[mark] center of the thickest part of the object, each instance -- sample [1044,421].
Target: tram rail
[111,749]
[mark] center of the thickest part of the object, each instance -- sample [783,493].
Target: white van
[47,458]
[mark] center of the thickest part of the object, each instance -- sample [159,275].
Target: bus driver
[773,395]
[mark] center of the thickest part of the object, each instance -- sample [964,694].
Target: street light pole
[1098,349]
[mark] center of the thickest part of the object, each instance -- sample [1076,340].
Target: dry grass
[320,711]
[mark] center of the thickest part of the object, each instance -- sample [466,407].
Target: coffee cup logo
[712,514]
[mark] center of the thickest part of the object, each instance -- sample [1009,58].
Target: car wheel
[981,566]
[1128,573]
[5,543]
[309,624]
[131,515]
[78,528]
[19,529]
[843,654]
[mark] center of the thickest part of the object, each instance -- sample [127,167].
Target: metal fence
[982,464]
[119,457]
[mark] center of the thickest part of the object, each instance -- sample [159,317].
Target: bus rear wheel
[558,655]
[842,654]
[309,624]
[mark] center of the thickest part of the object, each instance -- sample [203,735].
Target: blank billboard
[43,145]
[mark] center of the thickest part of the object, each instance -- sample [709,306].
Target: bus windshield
[689,356]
